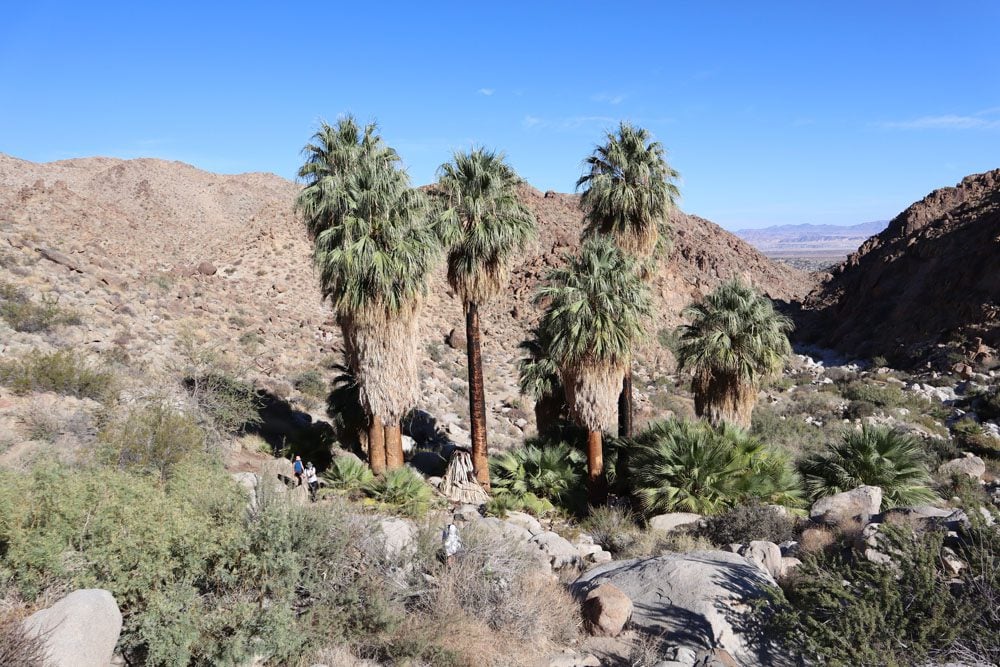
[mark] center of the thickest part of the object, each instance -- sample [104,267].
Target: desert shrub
[986,403]
[880,395]
[551,471]
[63,372]
[402,489]
[17,647]
[502,504]
[691,466]
[790,432]
[199,579]
[311,383]
[230,404]
[747,522]
[971,436]
[840,375]
[615,529]
[348,473]
[817,539]
[153,437]
[22,314]
[874,456]
[908,611]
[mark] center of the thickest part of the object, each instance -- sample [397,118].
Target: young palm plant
[874,456]
[593,320]
[538,378]
[485,224]
[374,248]
[628,193]
[735,340]
[694,467]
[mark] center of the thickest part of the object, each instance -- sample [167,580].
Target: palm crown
[483,220]
[628,190]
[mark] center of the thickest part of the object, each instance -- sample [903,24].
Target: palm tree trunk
[393,446]
[596,481]
[376,446]
[625,406]
[477,397]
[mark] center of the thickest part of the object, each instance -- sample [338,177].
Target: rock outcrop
[932,275]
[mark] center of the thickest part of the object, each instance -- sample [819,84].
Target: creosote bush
[24,315]
[153,437]
[747,522]
[63,372]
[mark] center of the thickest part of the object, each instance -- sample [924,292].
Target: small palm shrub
[403,489]
[694,467]
[747,522]
[554,472]
[152,438]
[348,473]
[63,372]
[874,456]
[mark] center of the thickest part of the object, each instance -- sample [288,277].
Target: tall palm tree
[735,340]
[374,248]
[596,304]
[628,193]
[485,224]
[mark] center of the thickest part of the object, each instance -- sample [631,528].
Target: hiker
[452,543]
[312,481]
[298,469]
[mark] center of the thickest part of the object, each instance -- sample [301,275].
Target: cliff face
[932,276]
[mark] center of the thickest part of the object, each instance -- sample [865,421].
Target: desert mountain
[146,250]
[932,276]
[789,240]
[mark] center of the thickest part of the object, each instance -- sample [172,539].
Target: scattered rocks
[973,466]
[80,630]
[858,504]
[606,610]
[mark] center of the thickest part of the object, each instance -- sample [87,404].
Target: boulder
[973,466]
[765,555]
[400,537]
[206,268]
[456,340]
[558,550]
[858,504]
[80,630]
[606,610]
[696,601]
[525,521]
[665,523]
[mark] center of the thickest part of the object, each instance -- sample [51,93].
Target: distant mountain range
[811,240]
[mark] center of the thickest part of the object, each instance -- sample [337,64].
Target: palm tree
[874,456]
[374,248]
[734,341]
[596,304]
[695,467]
[538,378]
[485,224]
[628,193]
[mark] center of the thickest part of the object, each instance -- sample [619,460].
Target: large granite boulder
[80,630]
[693,601]
[858,504]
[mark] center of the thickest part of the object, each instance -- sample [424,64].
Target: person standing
[312,481]
[298,470]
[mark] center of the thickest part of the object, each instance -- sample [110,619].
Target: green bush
[747,522]
[230,404]
[153,438]
[199,580]
[908,612]
[788,431]
[348,473]
[502,504]
[550,471]
[880,395]
[24,315]
[402,489]
[691,466]
[874,456]
[311,383]
[63,372]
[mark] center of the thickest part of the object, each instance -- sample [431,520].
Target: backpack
[297,467]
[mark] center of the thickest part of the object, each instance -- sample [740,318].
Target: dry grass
[817,540]
[17,648]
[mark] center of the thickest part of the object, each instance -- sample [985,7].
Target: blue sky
[773,112]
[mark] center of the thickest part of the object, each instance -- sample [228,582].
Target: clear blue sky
[773,112]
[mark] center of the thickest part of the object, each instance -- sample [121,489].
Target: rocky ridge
[146,250]
[932,276]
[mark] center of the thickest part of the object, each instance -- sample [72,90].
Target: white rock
[665,523]
[863,502]
[80,630]
[559,551]
[400,537]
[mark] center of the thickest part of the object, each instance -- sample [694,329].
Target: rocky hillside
[932,276]
[147,250]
